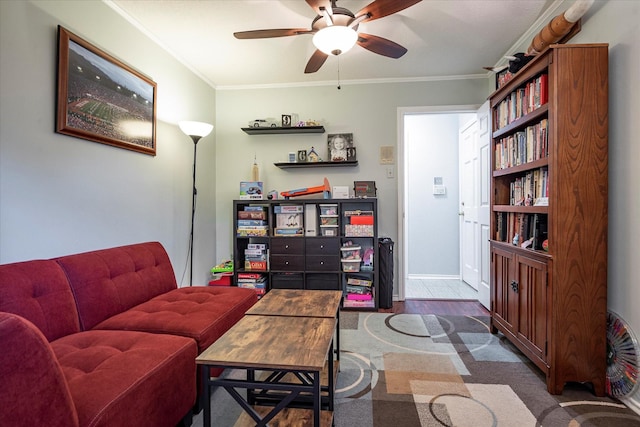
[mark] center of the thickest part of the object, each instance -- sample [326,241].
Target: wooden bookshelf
[551,300]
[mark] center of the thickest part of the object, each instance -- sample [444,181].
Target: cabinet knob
[514,286]
[286,246]
[321,246]
[286,262]
[321,262]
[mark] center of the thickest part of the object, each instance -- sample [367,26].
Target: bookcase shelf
[312,249]
[549,298]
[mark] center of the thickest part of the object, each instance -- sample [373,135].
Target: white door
[474,204]
[484,138]
[469,187]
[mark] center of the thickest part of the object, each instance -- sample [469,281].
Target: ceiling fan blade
[264,34]
[381,8]
[315,62]
[317,4]
[381,46]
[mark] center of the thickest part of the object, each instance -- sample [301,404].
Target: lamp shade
[198,129]
[335,39]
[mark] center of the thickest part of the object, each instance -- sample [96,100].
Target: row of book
[522,101]
[522,147]
[252,221]
[525,230]
[532,189]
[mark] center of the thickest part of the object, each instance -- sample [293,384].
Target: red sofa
[106,338]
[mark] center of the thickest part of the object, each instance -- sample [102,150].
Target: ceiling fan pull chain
[338,72]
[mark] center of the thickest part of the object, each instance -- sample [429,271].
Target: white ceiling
[443,38]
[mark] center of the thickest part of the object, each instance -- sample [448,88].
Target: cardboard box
[251,190]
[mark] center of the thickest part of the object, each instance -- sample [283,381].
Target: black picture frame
[345,151]
[102,99]
[364,188]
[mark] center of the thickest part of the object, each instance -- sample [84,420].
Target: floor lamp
[195,130]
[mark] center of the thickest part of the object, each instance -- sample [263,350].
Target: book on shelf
[359,297]
[288,231]
[252,214]
[282,209]
[251,232]
[251,222]
[289,220]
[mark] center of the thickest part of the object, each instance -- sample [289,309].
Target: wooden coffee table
[301,303]
[282,345]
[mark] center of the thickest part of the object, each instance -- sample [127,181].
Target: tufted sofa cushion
[33,390]
[38,291]
[116,377]
[201,313]
[107,282]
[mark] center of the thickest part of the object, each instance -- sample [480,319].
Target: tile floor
[439,289]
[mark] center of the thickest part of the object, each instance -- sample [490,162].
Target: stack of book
[255,257]
[255,281]
[289,220]
[252,221]
[359,292]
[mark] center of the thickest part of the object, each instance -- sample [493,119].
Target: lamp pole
[195,138]
[195,130]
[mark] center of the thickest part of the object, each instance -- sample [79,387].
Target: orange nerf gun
[326,188]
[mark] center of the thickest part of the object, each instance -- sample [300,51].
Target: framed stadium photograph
[102,99]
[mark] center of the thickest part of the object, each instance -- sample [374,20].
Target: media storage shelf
[315,244]
[282,130]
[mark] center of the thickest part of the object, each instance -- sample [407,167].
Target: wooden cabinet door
[504,300]
[532,290]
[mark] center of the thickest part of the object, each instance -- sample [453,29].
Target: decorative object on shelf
[263,123]
[335,30]
[255,170]
[116,105]
[623,357]
[302,156]
[271,195]
[339,145]
[251,190]
[325,188]
[196,130]
[559,27]
[288,120]
[292,157]
[312,156]
[364,188]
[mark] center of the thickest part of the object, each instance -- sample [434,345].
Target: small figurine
[312,156]
[516,239]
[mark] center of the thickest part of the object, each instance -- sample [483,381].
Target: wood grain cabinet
[549,190]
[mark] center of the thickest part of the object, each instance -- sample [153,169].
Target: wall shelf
[281,130]
[292,165]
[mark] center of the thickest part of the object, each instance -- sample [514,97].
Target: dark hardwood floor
[443,307]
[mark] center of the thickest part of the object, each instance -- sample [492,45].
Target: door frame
[401,160]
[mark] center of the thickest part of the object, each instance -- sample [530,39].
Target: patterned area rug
[425,370]
[410,370]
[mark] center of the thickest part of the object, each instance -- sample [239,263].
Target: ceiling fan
[335,30]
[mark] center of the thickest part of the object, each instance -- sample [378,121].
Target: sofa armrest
[33,389]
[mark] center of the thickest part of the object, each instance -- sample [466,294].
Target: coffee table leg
[316,398]
[330,378]
[206,396]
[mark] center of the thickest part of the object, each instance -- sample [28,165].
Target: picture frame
[102,99]
[364,188]
[286,120]
[340,147]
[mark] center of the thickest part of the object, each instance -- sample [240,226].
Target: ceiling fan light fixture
[335,39]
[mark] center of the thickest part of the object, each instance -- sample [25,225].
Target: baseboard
[433,277]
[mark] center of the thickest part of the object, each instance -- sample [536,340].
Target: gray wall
[369,111]
[433,224]
[61,195]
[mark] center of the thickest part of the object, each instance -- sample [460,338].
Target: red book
[362,220]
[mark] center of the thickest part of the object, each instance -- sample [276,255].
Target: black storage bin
[385,268]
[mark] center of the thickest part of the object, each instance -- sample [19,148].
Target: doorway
[430,260]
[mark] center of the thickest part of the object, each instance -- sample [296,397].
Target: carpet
[411,370]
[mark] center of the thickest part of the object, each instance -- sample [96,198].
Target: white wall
[62,195]
[433,225]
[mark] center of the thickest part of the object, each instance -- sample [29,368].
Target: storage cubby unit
[549,213]
[320,244]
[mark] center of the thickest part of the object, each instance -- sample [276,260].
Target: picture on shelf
[341,147]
